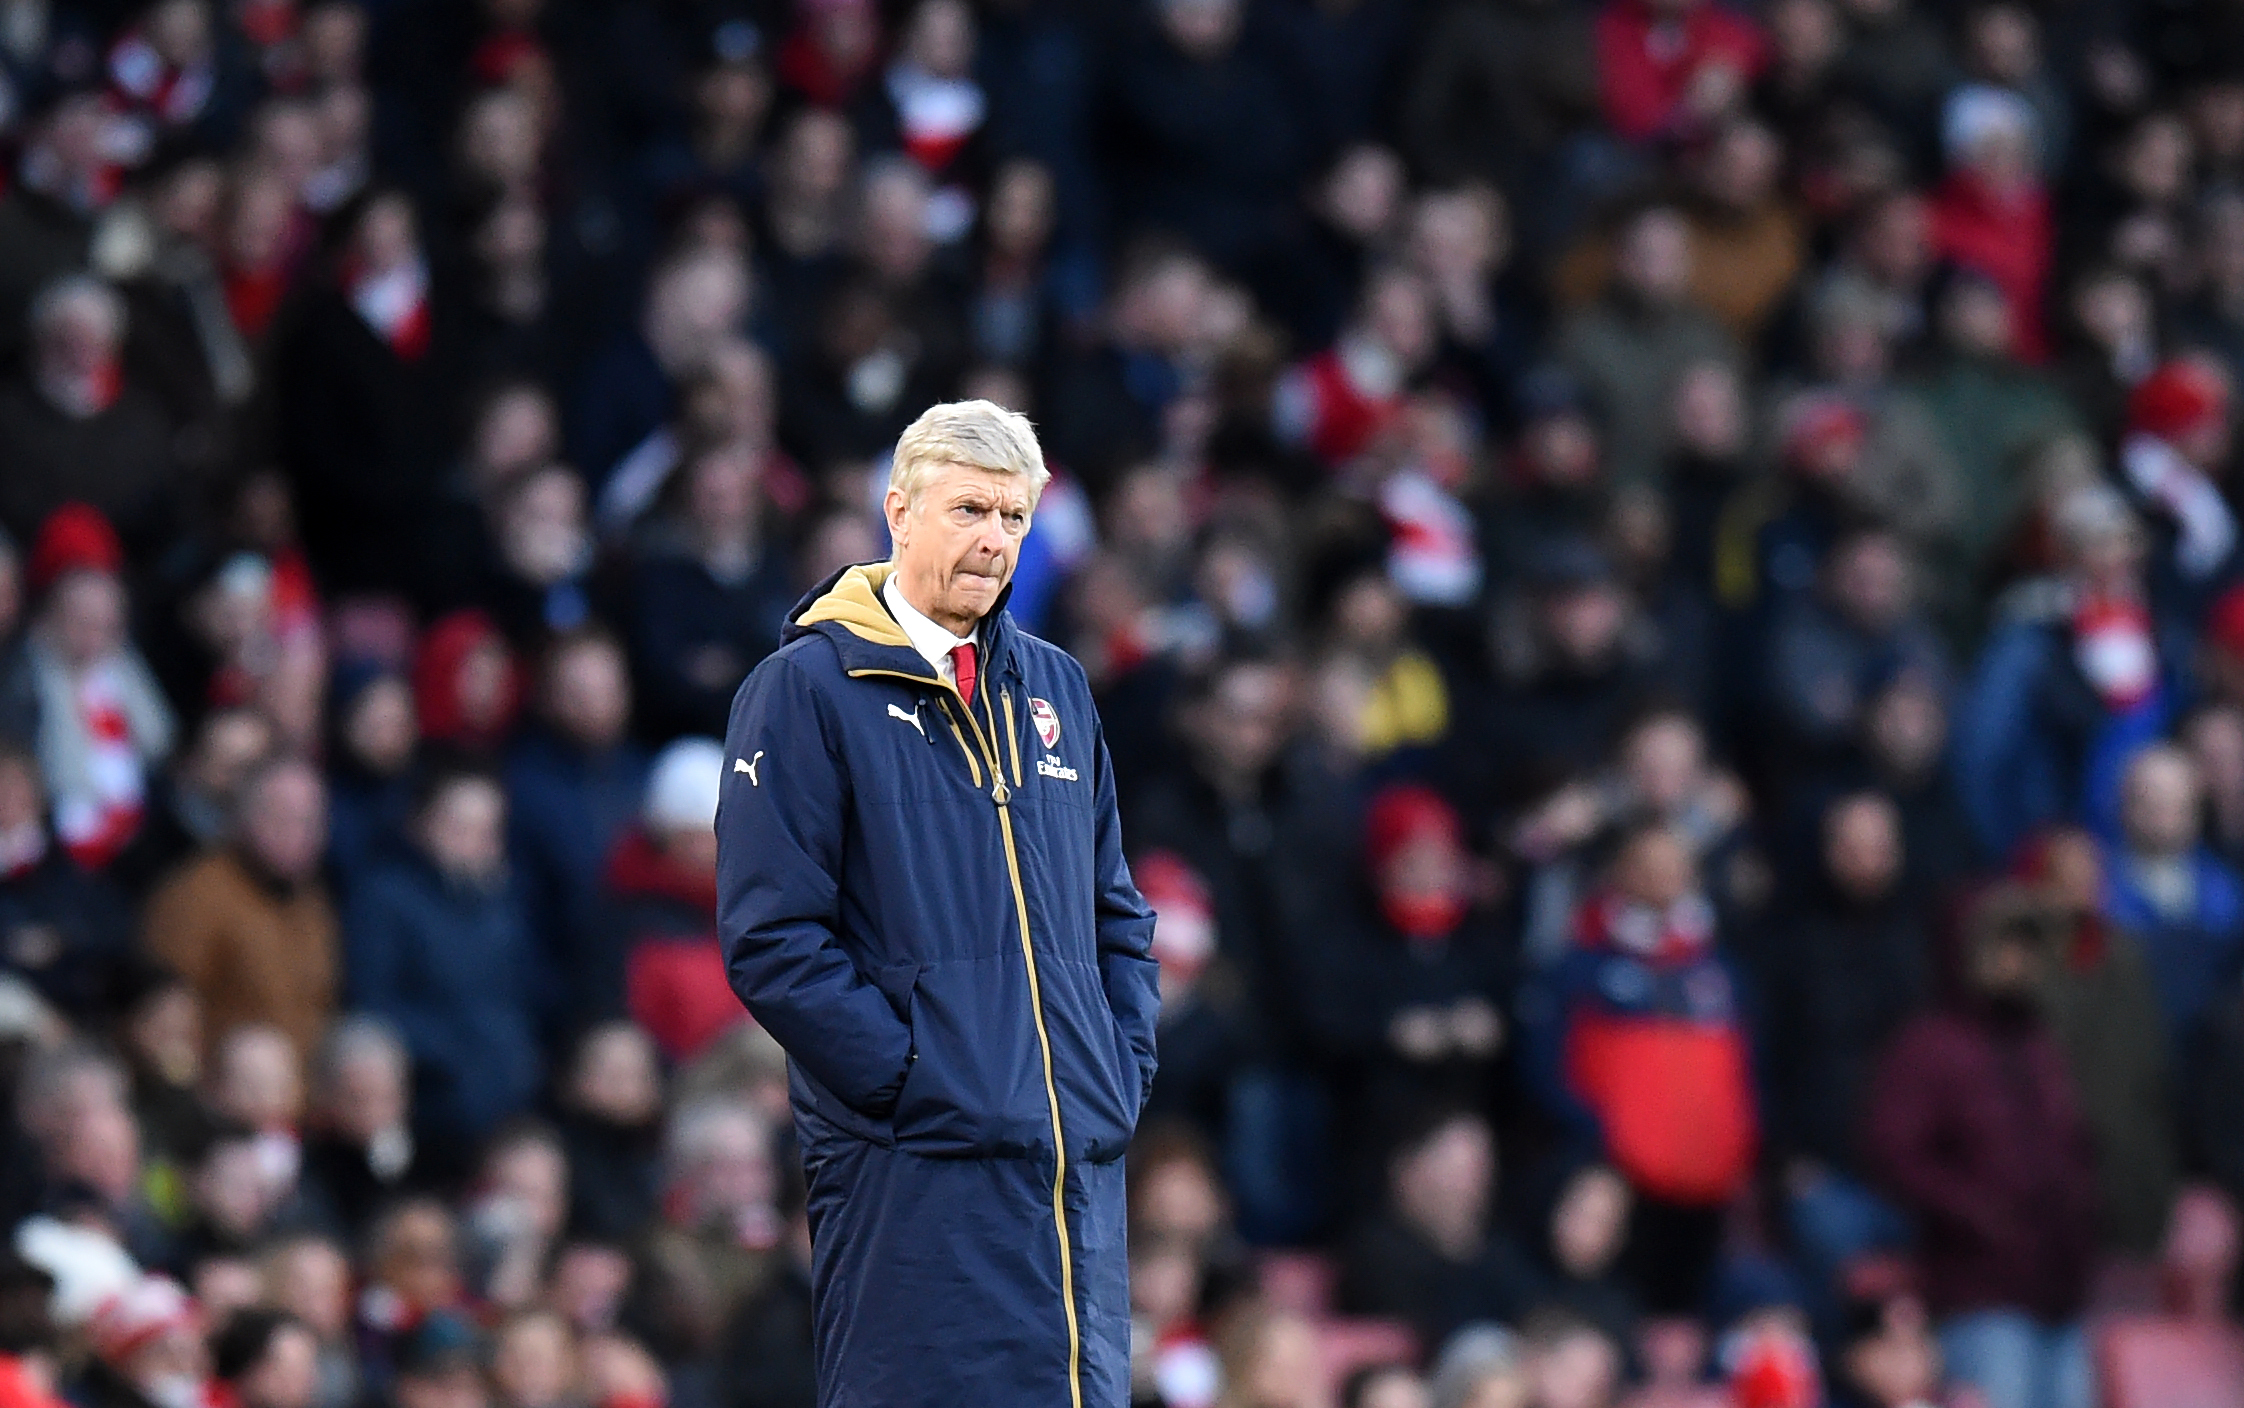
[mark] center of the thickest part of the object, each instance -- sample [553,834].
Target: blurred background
[1662,575]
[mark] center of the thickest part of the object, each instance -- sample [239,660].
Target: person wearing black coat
[1841,970]
[1433,1257]
[62,930]
[365,414]
[707,600]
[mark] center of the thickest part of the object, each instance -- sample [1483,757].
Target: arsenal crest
[1047,722]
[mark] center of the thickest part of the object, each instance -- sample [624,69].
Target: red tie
[962,664]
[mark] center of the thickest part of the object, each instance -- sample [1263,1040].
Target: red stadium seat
[1301,1282]
[2155,1362]
[1349,1345]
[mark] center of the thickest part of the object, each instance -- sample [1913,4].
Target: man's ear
[897,509]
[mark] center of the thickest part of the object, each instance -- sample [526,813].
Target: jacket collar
[846,608]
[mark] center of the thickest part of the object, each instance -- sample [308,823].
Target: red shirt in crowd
[2007,237]
[1647,58]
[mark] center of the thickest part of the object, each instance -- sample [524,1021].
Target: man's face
[958,541]
[2159,809]
[285,823]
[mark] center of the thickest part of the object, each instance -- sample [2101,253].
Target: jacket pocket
[976,1089]
[1095,1069]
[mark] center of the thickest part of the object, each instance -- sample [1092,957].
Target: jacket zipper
[1003,796]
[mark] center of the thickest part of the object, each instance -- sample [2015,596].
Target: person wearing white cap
[662,894]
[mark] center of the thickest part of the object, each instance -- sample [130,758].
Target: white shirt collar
[932,641]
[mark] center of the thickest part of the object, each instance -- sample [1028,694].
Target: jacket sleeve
[1127,969]
[780,826]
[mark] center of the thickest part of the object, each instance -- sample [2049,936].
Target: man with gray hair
[921,894]
[77,429]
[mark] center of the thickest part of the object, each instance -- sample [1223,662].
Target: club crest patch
[1047,721]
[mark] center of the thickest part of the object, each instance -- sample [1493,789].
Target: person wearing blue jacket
[922,895]
[434,942]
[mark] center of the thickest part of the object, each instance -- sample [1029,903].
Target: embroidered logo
[1054,768]
[912,718]
[748,766]
[1046,719]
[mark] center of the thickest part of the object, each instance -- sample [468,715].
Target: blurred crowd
[1663,579]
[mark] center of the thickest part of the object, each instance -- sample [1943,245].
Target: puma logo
[748,766]
[912,718]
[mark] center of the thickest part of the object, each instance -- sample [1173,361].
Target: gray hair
[356,1038]
[981,434]
[72,293]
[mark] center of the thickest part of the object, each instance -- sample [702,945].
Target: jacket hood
[847,609]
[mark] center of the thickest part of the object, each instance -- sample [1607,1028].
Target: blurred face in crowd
[1710,417]
[542,530]
[1203,30]
[366,1094]
[695,304]
[1975,318]
[616,1077]
[457,1385]
[1274,1362]
[892,222]
[1869,582]
[1740,171]
[1443,1185]
[256,1079]
[386,238]
[1162,308]
[1899,1363]
[1664,759]
[518,430]
[1399,314]
[2159,803]
[418,1258]
[1583,623]
[23,799]
[1459,236]
[164,1034]
[1394,1387]
[1654,260]
[287,1376]
[232,1192]
[2073,872]
[1590,1222]
[733,99]
[1178,1201]
[463,828]
[734,400]
[1579,1370]
[940,38]
[2215,740]
[2007,965]
[1862,847]
[1241,727]
[382,729]
[1022,207]
[1363,192]
[311,1280]
[284,822]
[533,1362]
[2114,309]
[85,617]
[588,693]
[727,1172]
[958,539]
[721,498]
[530,1179]
[1894,242]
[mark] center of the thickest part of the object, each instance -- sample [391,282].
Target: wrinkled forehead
[952,483]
